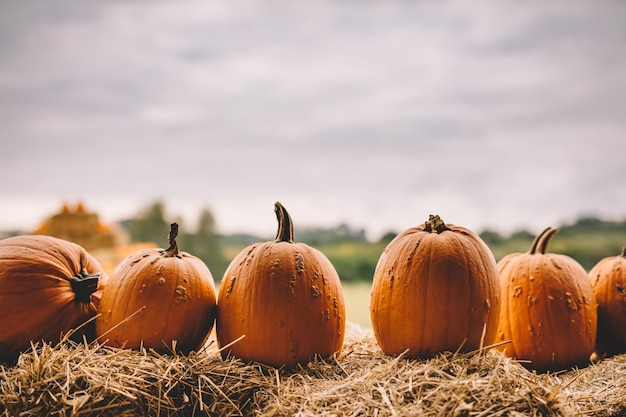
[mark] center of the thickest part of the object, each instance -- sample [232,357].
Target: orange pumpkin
[608,279]
[280,302]
[435,289]
[159,299]
[48,286]
[548,308]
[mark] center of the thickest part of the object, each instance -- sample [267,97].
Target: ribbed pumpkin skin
[37,301]
[170,298]
[286,298]
[434,292]
[548,310]
[608,280]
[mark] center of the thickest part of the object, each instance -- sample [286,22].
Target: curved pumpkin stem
[285,225]
[533,246]
[171,236]
[540,244]
[623,254]
[84,284]
[434,224]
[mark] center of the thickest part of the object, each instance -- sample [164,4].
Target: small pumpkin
[548,308]
[280,302]
[608,280]
[48,286]
[159,299]
[435,289]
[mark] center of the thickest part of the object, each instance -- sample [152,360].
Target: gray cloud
[503,115]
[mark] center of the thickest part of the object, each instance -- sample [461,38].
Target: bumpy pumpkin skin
[285,299]
[154,298]
[435,291]
[608,280]
[37,300]
[548,309]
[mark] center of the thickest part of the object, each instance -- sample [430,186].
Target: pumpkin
[435,289]
[159,299]
[280,302]
[48,287]
[608,280]
[548,308]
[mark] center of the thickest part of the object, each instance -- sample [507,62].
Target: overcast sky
[504,115]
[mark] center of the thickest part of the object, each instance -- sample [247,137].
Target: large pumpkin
[548,308]
[159,299]
[280,302]
[48,286]
[608,279]
[435,289]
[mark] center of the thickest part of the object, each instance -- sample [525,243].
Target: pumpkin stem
[171,236]
[285,225]
[83,285]
[434,224]
[533,246]
[540,244]
[623,254]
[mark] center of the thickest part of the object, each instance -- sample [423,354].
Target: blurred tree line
[151,225]
[587,241]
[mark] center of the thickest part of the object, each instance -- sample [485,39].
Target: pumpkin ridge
[469,246]
[579,296]
[129,286]
[580,311]
[167,308]
[44,252]
[529,287]
[61,267]
[470,284]
[584,301]
[424,301]
[548,314]
[452,281]
[509,330]
[22,287]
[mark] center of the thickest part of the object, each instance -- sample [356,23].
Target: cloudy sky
[505,115]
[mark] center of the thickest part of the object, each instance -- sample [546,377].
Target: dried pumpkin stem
[543,240]
[285,225]
[434,224]
[173,249]
[623,254]
[533,246]
[84,284]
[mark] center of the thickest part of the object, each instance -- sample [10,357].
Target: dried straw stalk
[80,379]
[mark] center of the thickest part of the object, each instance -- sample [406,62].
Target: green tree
[491,237]
[386,238]
[149,225]
[206,244]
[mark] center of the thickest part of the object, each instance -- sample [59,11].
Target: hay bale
[81,379]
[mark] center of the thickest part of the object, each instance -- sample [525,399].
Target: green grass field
[357,297]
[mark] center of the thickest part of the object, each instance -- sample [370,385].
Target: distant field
[357,297]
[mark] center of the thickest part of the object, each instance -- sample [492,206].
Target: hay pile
[81,380]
